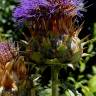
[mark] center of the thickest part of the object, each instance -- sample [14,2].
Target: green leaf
[82,66]
[69,93]
[87,91]
[94,70]
[92,84]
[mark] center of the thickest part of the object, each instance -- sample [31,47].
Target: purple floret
[27,8]
[19,12]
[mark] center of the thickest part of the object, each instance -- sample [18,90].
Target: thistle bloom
[53,19]
[53,29]
[11,69]
[7,54]
[27,8]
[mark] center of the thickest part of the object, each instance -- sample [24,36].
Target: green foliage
[92,84]
[45,92]
[6,24]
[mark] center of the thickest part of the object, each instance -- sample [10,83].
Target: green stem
[54,76]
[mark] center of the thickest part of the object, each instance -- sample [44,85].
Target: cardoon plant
[54,33]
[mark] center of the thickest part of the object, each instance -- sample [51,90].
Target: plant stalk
[54,76]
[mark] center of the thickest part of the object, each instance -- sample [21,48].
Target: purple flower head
[27,8]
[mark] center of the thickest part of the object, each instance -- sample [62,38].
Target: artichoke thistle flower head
[9,64]
[53,20]
[27,8]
